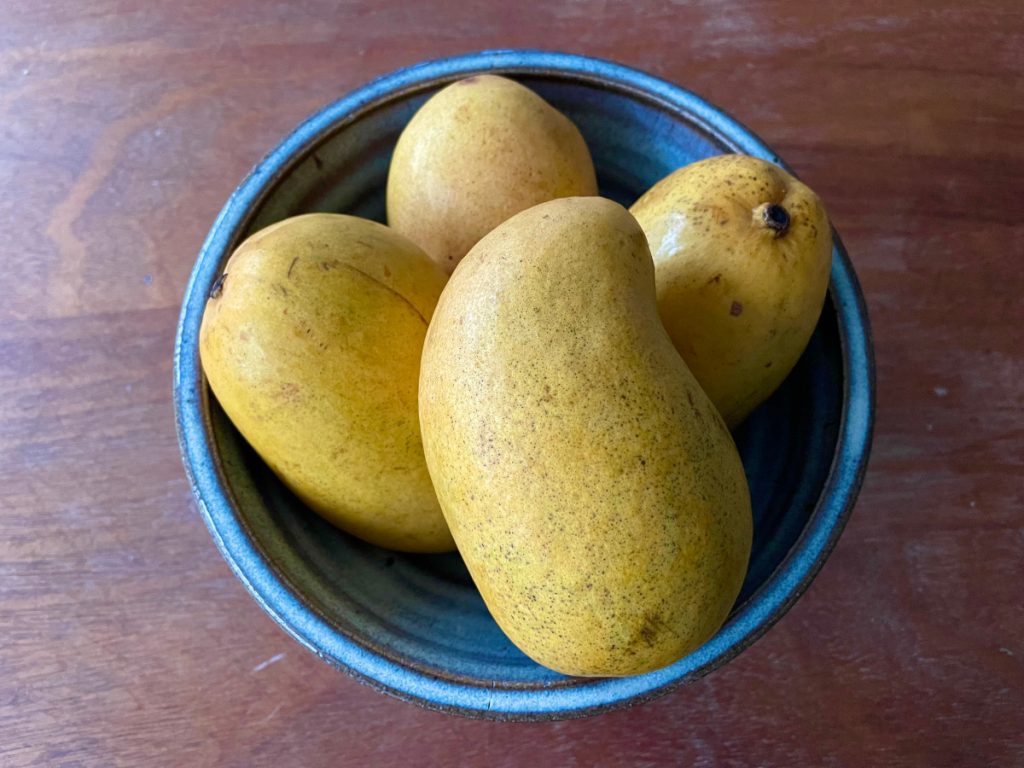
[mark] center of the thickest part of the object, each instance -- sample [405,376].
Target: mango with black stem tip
[742,254]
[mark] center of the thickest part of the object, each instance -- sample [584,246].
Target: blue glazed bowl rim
[746,625]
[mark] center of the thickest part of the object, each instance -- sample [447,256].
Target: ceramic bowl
[414,626]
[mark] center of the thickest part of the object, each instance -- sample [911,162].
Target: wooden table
[124,638]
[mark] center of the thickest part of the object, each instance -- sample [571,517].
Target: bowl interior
[422,612]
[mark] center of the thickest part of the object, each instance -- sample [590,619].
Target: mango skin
[593,490]
[312,345]
[739,303]
[477,152]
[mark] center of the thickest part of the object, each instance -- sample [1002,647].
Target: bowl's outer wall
[414,625]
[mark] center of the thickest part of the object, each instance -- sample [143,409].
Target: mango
[311,341]
[593,490]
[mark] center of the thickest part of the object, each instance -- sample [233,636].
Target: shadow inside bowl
[423,612]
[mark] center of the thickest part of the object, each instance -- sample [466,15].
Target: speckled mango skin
[312,345]
[594,492]
[477,152]
[739,303]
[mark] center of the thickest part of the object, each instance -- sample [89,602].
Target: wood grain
[125,640]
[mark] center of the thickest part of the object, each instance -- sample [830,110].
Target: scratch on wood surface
[38,53]
[272,660]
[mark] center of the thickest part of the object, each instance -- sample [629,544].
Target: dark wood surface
[124,126]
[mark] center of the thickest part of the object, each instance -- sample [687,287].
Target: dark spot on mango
[649,629]
[736,309]
[693,406]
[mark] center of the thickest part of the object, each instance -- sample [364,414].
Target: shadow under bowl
[414,625]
